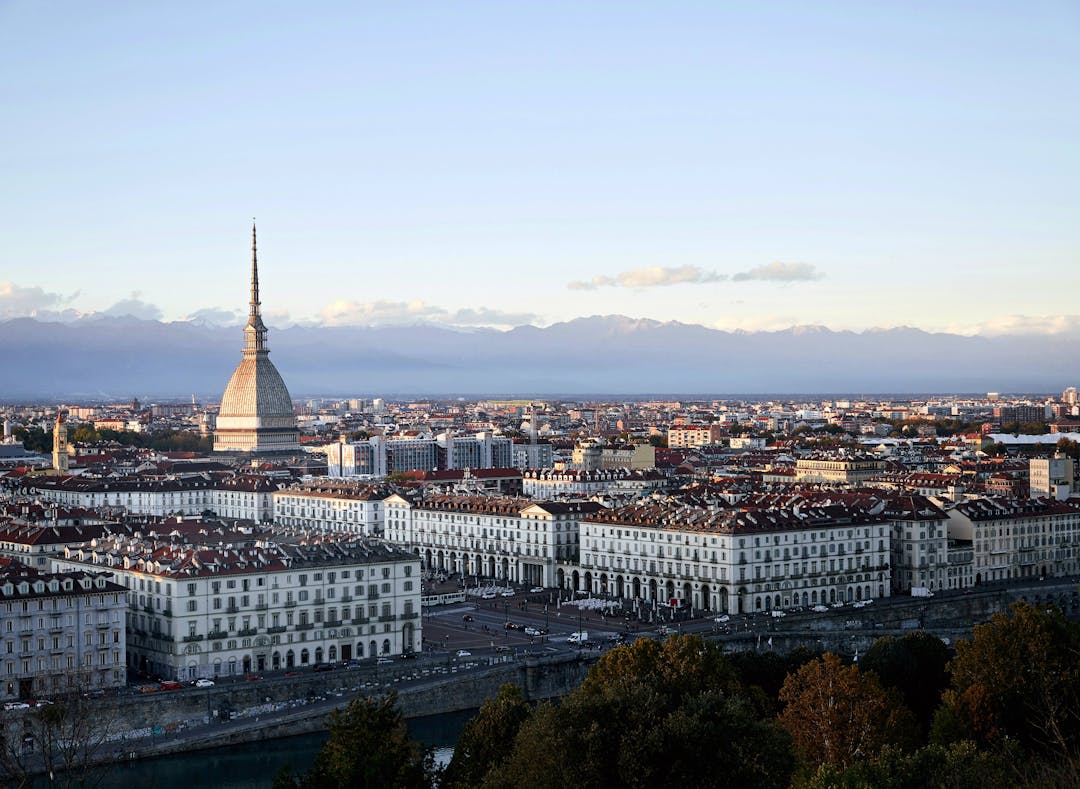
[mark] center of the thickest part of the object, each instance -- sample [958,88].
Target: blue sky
[739,165]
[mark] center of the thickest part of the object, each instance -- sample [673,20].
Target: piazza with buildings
[296,534]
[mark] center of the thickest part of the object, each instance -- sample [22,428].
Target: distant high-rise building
[1051,477]
[256,413]
[1070,396]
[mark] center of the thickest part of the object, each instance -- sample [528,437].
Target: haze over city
[469,165]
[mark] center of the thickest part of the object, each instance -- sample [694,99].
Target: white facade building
[204,610]
[330,506]
[1019,538]
[733,560]
[508,539]
[60,628]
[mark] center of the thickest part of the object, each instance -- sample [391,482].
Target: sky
[745,166]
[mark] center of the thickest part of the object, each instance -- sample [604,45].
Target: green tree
[915,665]
[838,716]
[650,715]
[958,766]
[368,746]
[485,741]
[1018,677]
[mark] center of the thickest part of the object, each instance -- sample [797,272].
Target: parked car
[254,677]
[487,596]
[507,593]
[323,667]
[536,589]
[16,705]
[467,618]
[203,683]
[383,661]
[171,685]
[351,664]
[464,653]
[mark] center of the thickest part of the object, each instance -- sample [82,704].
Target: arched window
[304,657]
[386,646]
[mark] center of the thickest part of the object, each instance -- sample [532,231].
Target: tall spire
[255,331]
[254,273]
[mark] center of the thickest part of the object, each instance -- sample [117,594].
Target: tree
[836,715]
[67,739]
[958,766]
[1018,677]
[485,741]
[915,665]
[651,714]
[368,746]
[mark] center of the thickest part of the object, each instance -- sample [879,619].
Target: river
[253,765]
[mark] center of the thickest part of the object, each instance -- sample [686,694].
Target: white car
[536,589]
[821,609]
[507,593]
[487,596]
[723,618]
[464,653]
[16,705]
[532,631]
[204,683]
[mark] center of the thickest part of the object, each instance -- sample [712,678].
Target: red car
[254,677]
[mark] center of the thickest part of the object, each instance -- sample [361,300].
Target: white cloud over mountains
[396,313]
[34,302]
[662,276]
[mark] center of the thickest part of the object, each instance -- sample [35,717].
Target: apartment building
[508,539]
[552,483]
[59,630]
[332,506]
[838,469]
[735,560]
[920,543]
[246,496]
[1019,538]
[226,603]
[690,436]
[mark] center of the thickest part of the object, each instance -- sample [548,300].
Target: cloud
[651,277]
[396,313]
[18,302]
[779,272]
[135,307]
[215,316]
[662,276]
[1023,325]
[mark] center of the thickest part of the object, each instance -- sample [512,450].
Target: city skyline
[739,168]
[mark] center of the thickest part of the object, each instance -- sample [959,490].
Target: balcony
[231,609]
[305,626]
[332,623]
[387,618]
[276,629]
[359,620]
[290,604]
[247,631]
[260,606]
[216,635]
[190,639]
[410,615]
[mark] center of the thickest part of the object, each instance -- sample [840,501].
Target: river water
[253,765]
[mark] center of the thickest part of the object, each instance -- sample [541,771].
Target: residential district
[193,542]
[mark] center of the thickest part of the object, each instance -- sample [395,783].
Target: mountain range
[104,357]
